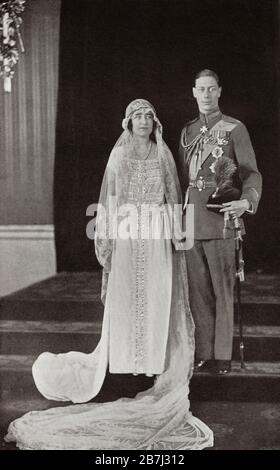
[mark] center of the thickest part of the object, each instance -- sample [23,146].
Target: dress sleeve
[173,198]
[105,210]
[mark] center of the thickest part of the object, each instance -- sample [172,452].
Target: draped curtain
[113,51]
[27,121]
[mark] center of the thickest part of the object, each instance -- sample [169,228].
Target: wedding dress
[147,327]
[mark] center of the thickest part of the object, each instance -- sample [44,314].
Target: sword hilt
[240,273]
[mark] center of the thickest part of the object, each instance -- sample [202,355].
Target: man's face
[207,94]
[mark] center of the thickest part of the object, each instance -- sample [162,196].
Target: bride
[147,325]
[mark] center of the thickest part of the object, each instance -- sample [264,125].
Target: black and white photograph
[139,227]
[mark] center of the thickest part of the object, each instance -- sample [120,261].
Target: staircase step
[262,343]
[258,313]
[259,381]
[253,313]
[34,337]
[48,310]
[76,296]
[64,297]
[260,299]
[16,381]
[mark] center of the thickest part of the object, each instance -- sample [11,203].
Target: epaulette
[230,119]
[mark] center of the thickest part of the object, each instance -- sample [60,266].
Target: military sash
[208,142]
[211,142]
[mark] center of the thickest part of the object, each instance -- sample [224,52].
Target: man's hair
[207,73]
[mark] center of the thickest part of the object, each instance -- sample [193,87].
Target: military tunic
[211,261]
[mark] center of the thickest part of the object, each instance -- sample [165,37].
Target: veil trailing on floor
[158,418]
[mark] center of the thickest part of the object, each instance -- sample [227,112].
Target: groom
[211,261]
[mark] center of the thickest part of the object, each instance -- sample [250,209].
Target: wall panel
[27,120]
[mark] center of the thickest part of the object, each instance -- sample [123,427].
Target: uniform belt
[202,183]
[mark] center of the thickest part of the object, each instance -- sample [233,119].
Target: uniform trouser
[211,272]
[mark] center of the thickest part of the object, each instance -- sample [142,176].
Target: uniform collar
[208,118]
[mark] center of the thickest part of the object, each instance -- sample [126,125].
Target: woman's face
[142,123]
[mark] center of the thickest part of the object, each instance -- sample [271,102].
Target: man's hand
[236,208]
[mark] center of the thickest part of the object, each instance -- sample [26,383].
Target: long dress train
[158,418]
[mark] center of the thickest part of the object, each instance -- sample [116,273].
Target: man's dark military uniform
[211,261]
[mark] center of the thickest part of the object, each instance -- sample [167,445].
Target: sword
[239,262]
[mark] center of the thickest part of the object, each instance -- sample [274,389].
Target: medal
[217,152]
[203,130]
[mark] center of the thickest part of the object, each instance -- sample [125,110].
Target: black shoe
[203,365]
[223,367]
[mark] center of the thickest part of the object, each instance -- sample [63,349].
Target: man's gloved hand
[236,208]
